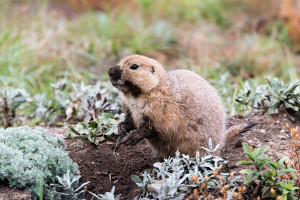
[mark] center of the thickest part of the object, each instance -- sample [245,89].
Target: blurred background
[228,42]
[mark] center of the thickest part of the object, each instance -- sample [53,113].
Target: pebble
[272,144]
[262,130]
[281,137]
[282,131]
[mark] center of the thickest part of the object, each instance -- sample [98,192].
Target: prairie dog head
[136,74]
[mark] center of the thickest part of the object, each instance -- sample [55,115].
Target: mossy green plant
[31,155]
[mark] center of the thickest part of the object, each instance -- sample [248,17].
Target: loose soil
[7,193]
[107,165]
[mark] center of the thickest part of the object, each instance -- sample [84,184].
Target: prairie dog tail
[237,129]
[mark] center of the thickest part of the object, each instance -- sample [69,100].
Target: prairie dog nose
[115,72]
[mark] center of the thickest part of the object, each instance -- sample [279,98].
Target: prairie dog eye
[134,66]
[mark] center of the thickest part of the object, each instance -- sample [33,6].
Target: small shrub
[10,101]
[273,177]
[248,97]
[67,189]
[182,176]
[89,101]
[76,103]
[29,156]
[96,130]
[280,94]
[274,95]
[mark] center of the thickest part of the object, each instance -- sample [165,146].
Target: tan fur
[184,107]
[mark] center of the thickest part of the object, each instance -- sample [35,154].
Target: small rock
[262,130]
[282,131]
[281,137]
[272,144]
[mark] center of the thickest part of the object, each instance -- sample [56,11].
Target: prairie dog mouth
[118,83]
[115,84]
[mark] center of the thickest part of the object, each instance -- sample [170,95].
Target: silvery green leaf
[216,148]
[81,186]
[210,146]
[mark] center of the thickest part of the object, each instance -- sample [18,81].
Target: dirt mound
[270,131]
[107,166]
[7,193]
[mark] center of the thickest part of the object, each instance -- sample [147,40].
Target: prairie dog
[173,110]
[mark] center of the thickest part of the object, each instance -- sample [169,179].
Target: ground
[107,165]
[12,193]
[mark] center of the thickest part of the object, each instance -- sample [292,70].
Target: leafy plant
[67,189]
[281,94]
[177,177]
[247,97]
[96,130]
[76,103]
[91,100]
[31,156]
[66,184]
[10,101]
[274,95]
[269,174]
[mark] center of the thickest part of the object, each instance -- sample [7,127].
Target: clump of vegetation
[183,176]
[294,154]
[89,101]
[275,95]
[248,98]
[76,103]
[272,179]
[280,94]
[31,159]
[66,188]
[97,130]
[10,101]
